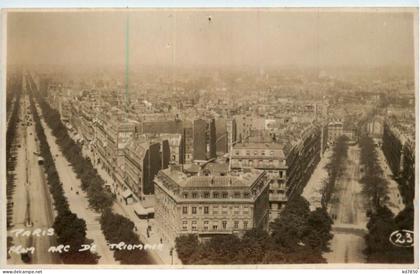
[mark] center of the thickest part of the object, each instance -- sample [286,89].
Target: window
[225,195]
[245,225]
[194,225]
[246,195]
[224,223]
[194,210]
[271,152]
[263,153]
[215,195]
[185,225]
[206,210]
[184,210]
[237,195]
[214,227]
[247,152]
[206,195]
[236,225]
[194,195]
[185,195]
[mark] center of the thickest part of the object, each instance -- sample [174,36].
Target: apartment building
[210,202]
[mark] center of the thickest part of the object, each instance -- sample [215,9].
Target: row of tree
[116,228]
[297,236]
[382,222]
[14,116]
[15,88]
[335,168]
[70,229]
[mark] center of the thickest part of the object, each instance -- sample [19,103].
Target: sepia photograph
[234,137]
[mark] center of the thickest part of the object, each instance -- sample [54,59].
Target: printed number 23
[404,238]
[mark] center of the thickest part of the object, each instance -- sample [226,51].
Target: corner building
[210,203]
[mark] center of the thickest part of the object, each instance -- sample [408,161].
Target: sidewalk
[162,255]
[313,189]
[155,235]
[77,200]
[395,202]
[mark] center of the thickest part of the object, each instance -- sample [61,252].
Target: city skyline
[211,137]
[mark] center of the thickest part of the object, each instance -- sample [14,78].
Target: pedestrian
[71,188]
[161,240]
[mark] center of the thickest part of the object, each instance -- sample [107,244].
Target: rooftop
[239,179]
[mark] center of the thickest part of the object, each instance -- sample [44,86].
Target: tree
[185,246]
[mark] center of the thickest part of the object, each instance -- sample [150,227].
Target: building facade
[302,159]
[269,157]
[212,203]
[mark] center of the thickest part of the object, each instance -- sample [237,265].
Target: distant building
[176,147]
[399,151]
[221,137]
[212,139]
[231,132]
[200,129]
[302,159]
[335,130]
[142,161]
[209,203]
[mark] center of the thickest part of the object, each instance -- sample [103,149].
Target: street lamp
[171,253]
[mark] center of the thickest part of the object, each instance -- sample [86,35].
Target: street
[32,202]
[348,210]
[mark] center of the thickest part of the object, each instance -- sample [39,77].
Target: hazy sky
[232,37]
